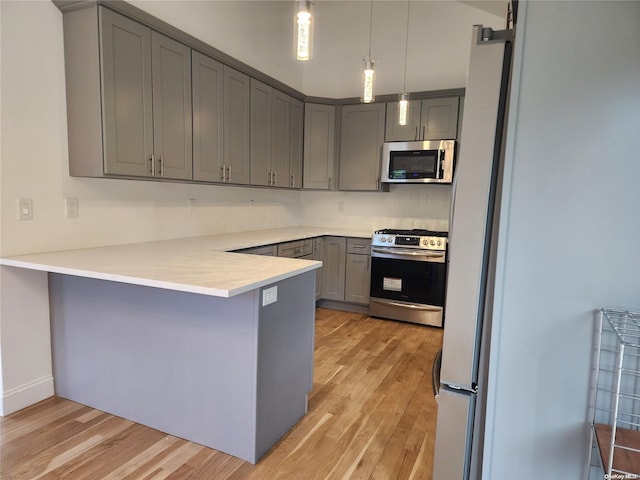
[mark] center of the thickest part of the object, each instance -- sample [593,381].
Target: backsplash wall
[404,206]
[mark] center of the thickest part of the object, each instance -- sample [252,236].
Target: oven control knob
[439,243]
[383,239]
[432,243]
[425,242]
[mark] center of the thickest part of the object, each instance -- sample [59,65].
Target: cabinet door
[439,118]
[296,130]
[126,75]
[395,132]
[333,269]
[172,132]
[237,115]
[260,134]
[362,135]
[318,244]
[279,131]
[357,278]
[319,141]
[207,83]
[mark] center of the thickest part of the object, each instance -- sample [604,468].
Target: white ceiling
[260,33]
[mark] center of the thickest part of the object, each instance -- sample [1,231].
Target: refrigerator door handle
[435,374]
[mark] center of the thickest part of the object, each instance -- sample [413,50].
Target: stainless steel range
[408,275]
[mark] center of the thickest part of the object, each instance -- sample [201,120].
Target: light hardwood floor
[371,416]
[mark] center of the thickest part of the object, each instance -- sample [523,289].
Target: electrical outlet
[25,209]
[72,207]
[192,205]
[269,295]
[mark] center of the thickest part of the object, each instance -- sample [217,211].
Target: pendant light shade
[303,30]
[368,74]
[403,104]
[368,81]
[403,107]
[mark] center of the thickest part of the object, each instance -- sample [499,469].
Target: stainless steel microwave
[429,161]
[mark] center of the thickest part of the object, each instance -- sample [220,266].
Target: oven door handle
[405,253]
[426,308]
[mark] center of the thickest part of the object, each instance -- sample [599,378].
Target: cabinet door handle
[416,135]
[329,183]
[275,177]
[160,169]
[293,181]
[229,173]
[222,171]
[152,166]
[357,245]
[423,129]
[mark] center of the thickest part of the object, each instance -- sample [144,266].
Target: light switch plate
[72,207]
[25,209]
[269,295]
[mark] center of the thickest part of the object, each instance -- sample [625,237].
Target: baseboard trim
[343,306]
[25,395]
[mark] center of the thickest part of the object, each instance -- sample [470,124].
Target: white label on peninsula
[392,284]
[269,295]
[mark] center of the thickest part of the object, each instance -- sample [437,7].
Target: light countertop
[202,265]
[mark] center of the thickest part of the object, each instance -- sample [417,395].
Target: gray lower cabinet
[358,271]
[319,146]
[296,249]
[220,122]
[265,250]
[318,246]
[270,118]
[427,119]
[128,98]
[333,268]
[361,139]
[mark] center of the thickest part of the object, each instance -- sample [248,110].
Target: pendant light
[403,104]
[303,30]
[369,74]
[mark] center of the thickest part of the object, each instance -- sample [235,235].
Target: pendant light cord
[406,49]
[370,27]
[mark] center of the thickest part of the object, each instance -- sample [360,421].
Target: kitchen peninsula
[182,335]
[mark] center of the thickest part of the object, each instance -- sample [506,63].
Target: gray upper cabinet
[208,80]
[128,98]
[427,119]
[362,135]
[237,126]
[221,103]
[172,132]
[399,133]
[270,117]
[126,75]
[319,145]
[280,121]
[296,132]
[439,118]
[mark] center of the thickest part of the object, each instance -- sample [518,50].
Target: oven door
[408,285]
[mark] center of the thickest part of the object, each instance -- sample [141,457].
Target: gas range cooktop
[415,232]
[416,238]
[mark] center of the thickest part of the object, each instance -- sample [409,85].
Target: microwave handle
[440,167]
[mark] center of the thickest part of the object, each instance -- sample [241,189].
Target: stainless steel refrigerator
[472,227]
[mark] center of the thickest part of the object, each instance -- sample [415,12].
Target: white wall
[570,232]
[260,33]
